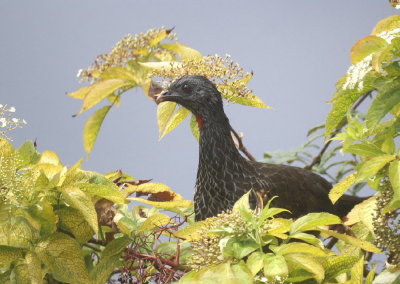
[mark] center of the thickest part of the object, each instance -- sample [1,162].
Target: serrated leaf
[242,207]
[164,112]
[194,128]
[77,199]
[179,115]
[72,220]
[381,105]
[367,246]
[296,247]
[9,254]
[92,127]
[100,90]
[372,166]
[63,257]
[394,177]
[365,47]
[386,24]
[364,150]
[307,263]
[110,191]
[255,262]
[153,221]
[341,187]
[313,220]
[363,212]
[185,53]
[336,265]
[275,265]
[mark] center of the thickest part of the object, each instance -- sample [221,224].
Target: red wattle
[199,121]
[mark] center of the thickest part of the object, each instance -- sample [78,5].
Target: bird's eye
[186,88]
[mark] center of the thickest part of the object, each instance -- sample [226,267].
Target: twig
[92,247]
[317,159]
[241,147]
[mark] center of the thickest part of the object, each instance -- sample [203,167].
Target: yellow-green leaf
[356,272]
[394,177]
[312,220]
[191,231]
[363,212]
[163,65]
[386,24]
[92,127]
[341,187]
[296,247]
[77,199]
[110,191]
[153,221]
[365,47]
[255,262]
[372,166]
[118,72]
[367,246]
[371,275]
[9,254]
[81,93]
[184,52]
[164,112]
[175,120]
[307,263]
[100,90]
[73,221]
[63,257]
[275,265]
[159,36]
[242,207]
[363,149]
[164,204]
[29,270]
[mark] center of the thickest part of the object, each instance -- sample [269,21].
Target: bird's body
[224,176]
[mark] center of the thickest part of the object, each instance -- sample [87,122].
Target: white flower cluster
[7,121]
[357,72]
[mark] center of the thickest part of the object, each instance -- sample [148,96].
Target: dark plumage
[223,175]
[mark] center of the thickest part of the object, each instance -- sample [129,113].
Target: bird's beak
[162,97]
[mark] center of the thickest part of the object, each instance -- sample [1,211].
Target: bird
[224,175]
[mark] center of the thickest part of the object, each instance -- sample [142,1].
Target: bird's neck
[218,152]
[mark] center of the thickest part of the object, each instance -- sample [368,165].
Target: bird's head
[197,94]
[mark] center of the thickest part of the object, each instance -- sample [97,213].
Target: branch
[241,147]
[317,159]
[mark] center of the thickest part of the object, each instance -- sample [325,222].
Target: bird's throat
[199,120]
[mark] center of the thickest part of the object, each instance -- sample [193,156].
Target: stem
[317,159]
[241,147]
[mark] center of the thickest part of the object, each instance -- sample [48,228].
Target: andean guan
[223,175]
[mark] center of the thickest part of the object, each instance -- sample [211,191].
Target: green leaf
[313,220]
[363,149]
[164,112]
[240,248]
[311,239]
[73,221]
[118,72]
[175,120]
[382,104]
[255,262]
[367,246]
[372,166]
[242,272]
[44,214]
[116,246]
[29,270]
[104,268]
[307,263]
[386,24]
[109,191]
[394,177]
[356,272]
[341,187]
[194,127]
[341,104]
[125,225]
[9,254]
[63,257]
[92,127]
[242,207]
[153,221]
[371,275]
[275,265]
[27,154]
[297,247]
[77,199]
[185,53]
[100,90]
[365,47]
[336,265]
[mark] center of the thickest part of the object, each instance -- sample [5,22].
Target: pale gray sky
[297,50]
